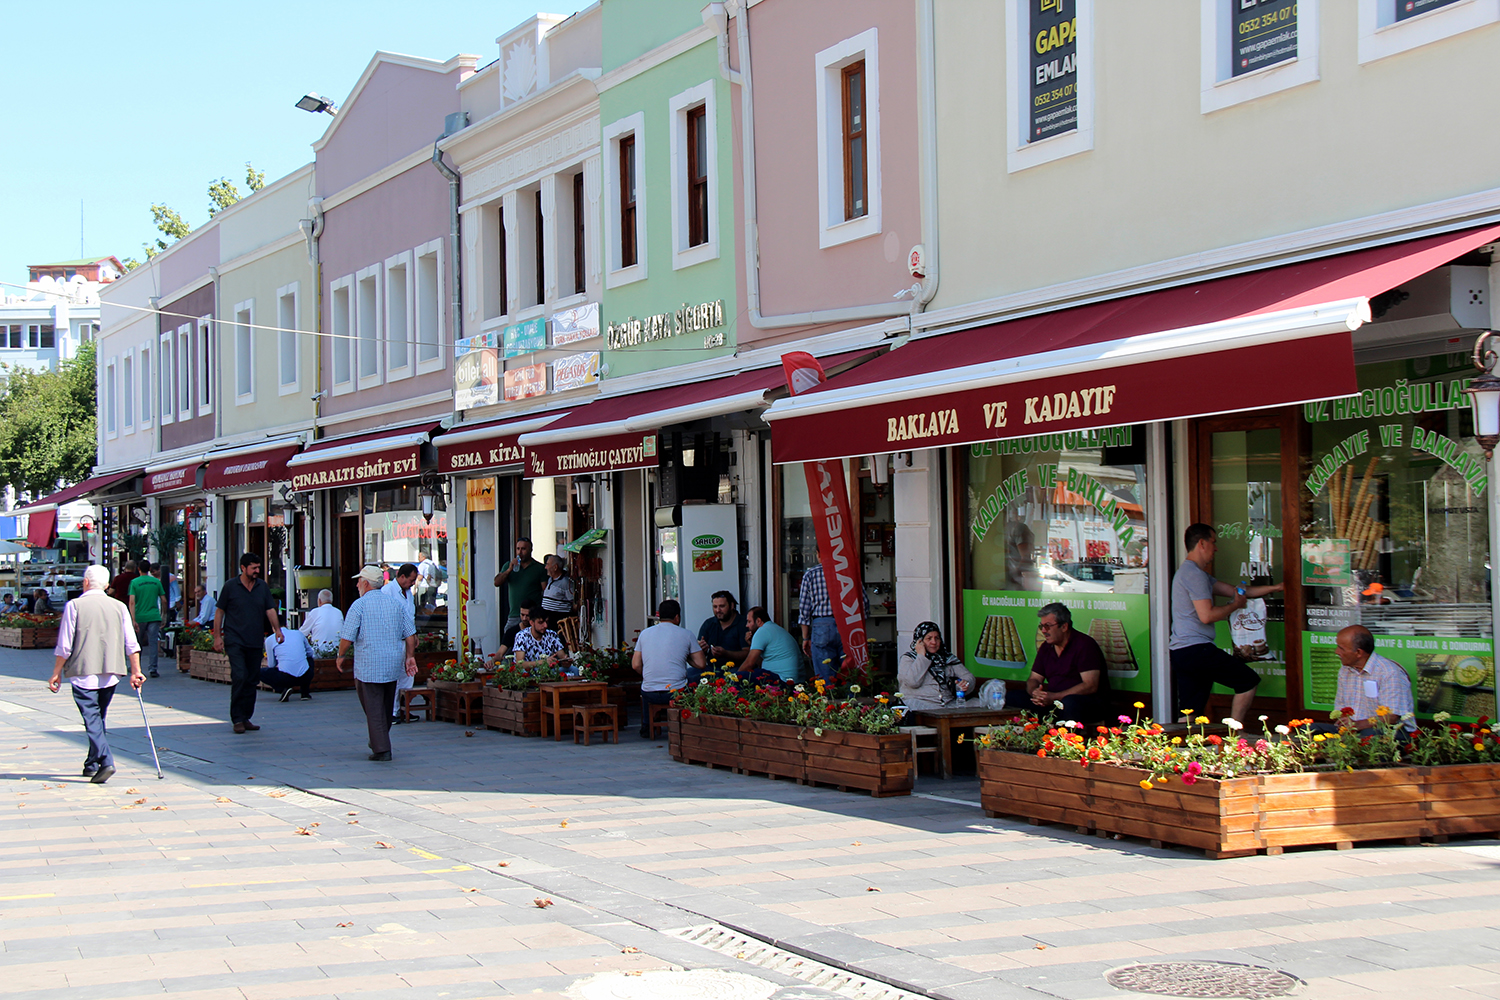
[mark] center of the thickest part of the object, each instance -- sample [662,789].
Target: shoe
[381,756]
[307,697]
[153,674]
[89,772]
[239,727]
[396,720]
[250,727]
[103,774]
[286,696]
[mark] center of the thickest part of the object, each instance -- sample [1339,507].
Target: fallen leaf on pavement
[502,864]
[311,825]
[354,822]
[468,732]
[632,950]
[1039,947]
[140,802]
[222,798]
[540,903]
[25,745]
[278,794]
[157,809]
[871,888]
[381,843]
[471,890]
[633,972]
[132,791]
[856,844]
[304,831]
[350,924]
[563,823]
[351,814]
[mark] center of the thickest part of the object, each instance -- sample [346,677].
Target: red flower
[1346,711]
[1215,739]
[686,714]
[1093,753]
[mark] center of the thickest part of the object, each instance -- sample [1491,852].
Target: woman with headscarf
[930,676]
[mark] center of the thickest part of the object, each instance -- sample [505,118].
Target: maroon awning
[247,469]
[371,457]
[490,445]
[40,527]
[82,489]
[178,477]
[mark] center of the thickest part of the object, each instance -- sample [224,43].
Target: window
[848,109]
[205,365]
[539,238]
[1251,48]
[14,340]
[184,374]
[288,368]
[695,217]
[1387,27]
[367,324]
[111,399]
[624,209]
[341,330]
[244,352]
[496,281]
[41,336]
[127,392]
[579,244]
[164,370]
[1051,112]
[427,315]
[144,374]
[398,346]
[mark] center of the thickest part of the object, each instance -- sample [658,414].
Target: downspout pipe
[454,232]
[865,313]
[312,232]
[927,150]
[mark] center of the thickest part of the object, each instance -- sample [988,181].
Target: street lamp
[291,503]
[433,497]
[1484,395]
[313,103]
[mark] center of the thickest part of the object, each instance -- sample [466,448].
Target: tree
[221,194]
[47,430]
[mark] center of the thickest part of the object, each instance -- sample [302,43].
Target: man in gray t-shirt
[663,655]
[1197,663]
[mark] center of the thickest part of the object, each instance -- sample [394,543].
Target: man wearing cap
[385,648]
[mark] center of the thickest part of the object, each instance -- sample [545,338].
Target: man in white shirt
[403,589]
[427,579]
[288,665]
[322,624]
[207,605]
[662,656]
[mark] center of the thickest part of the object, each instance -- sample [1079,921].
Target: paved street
[283,864]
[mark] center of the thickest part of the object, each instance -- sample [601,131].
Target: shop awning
[372,457]
[40,527]
[493,444]
[1272,337]
[166,478]
[613,433]
[263,462]
[79,491]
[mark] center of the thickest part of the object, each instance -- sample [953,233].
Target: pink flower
[1124,720]
[1189,779]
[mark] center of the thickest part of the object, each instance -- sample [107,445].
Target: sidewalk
[224,899]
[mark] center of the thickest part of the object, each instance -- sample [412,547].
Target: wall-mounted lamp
[880,469]
[195,520]
[1484,395]
[434,498]
[583,492]
[313,103]
[291,503]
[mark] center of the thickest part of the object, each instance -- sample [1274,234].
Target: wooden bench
[658,723]
[412,694]
[591,719]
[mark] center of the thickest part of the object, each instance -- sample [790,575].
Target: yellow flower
[1382,710]
[1319,738]
[1140,704]
[1176,740]
[1146,784]
[1478,746]
[1162,780]
[1201,720]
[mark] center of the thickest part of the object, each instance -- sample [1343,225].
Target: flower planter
[28,638]
[209,666]
[880,765]
[184,658]
[518,712]
[426,661]
[1237,816]
[456,701]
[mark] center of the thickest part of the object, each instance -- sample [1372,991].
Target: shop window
[848,109]
[205,365]
[127,392]
[427,306]
[1051,108]
[256,526]
[694,168]
[367,308]
[288,364]
[1252,48]
[14,340]
[341,327]
[1388,27]
[111,399]
[1059,517]
[496,286]
[184,374]
[580,240]
[398,301]
[146,396]
[624,209]
[244,352]
[165,368]
[1397,534]
[395,532]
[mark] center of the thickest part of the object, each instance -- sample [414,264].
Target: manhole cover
[693,984]
[1204,979]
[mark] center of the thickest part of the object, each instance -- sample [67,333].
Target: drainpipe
[927,147]
[752,232]
[453,202]
[312,232]
[218,399]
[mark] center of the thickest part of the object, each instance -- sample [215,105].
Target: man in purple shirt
[1068,667]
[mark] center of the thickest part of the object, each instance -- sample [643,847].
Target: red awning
[248,468]
[494,444]
[79,491]
[177,477]
[40,527]
[369,457]
[613,433]
[1272,337]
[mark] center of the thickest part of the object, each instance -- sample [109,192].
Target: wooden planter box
[28,638]
[426,661]
[184,658]
[1239,816]
[209,666]
[880,765]
[518,712]
[446,695]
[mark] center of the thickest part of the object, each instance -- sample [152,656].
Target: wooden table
[560,697]
[945,720]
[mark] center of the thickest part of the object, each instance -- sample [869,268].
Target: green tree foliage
[47,435]
[221,194]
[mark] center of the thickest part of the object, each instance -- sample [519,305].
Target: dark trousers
[1085,708]
[244,675]
[93,706]
[378,700]
[649,699]
[280,681]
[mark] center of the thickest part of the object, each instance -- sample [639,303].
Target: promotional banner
[525,338]
[569,326]
[476,371]
[465,588]
[575,370]
[1265,33]
[1054,68]
[838,549]
[525,382]
[1001,635]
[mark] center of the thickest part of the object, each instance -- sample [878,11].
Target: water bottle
[961,693]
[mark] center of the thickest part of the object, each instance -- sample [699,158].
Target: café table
[961,717]
[559,698]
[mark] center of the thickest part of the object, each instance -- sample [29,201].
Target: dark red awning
[40,527]
[79,491]
[370,457]
[177,477]
[249,468]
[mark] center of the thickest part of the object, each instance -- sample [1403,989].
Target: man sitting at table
[773,656]
[538,644]
[1068,667]
[662,655]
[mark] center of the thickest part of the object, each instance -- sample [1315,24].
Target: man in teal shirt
[772,648]
[146,597]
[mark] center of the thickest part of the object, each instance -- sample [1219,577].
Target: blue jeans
[827,648]
[149,634]
[93,706]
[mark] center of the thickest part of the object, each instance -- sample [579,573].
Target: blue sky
[122,105]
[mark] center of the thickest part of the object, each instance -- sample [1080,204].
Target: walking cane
[149,738]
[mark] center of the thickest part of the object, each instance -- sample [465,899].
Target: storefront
[248,516]
[177,495]
[1072,441]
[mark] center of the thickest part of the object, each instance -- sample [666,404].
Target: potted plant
[512,703]
[457,687]
[20,630]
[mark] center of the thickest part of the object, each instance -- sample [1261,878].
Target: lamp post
[314,104]
[433,498]
[1484,395]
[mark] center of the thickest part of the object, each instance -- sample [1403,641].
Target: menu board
[1265,34]
[476,371]
[1053,40]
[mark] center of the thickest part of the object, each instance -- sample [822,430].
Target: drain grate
[747,949]
[694,984]
[1205,979]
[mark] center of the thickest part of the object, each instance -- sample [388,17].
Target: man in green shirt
[523,579]
[146,598]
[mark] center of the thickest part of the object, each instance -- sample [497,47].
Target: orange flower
[1146,784]
[1041,753]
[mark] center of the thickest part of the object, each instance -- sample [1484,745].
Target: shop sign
[172,479]
[465,586]
[610,453]
[1325,563]
[1001,636]
[1054,68]
[476,371]
[525,382]
[1416,8]
[1265,33]
[260,467]
[525,338]
[492,453]
[575,370]
[569,326]
[394,463]
[632,332]
[480,494]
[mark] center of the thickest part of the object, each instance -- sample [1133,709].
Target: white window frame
[148,390]
[1381,35]
[678,107]
[166,399]
[206,369]
[244,334]
[1020,154]
[373,342]
[288,335]
[614,274]
[394,371]
[828,67]
[184,370]
[128,376]
[111,399]
[433,249]
[341,341]
[1220,88]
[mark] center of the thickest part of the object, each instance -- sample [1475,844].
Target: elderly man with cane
[95,644]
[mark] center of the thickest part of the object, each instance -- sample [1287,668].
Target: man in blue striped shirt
[385,648]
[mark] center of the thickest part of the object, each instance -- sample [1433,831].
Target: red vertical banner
[838,549]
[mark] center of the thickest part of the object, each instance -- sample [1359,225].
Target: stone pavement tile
[1422,981]
[1456,919]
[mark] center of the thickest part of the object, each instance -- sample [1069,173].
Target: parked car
[1077,578]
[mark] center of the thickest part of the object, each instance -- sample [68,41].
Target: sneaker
[374,756]
[90,770]
[307,697]
[286,696]
[153,674]
[104,774]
